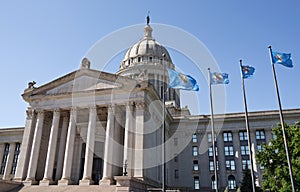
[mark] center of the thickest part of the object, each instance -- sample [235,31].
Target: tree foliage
[273,158]
[247,181]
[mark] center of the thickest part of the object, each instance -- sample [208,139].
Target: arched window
[231,182]
[213,182]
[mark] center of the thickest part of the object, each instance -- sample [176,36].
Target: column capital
[129,105]
[92,107]
[39,111]
[56,111]
[29,113]
[140,105]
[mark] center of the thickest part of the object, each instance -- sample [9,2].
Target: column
[117,160]
[89,150]
[10,158]
[139,140]
[51,149]
[25,150]
[128,141]
[61,148]
[2,146]
[69,150]
[35,149]
[108,153]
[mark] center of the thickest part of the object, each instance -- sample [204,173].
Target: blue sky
[42,41]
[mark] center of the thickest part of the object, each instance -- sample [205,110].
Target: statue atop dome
[148,18]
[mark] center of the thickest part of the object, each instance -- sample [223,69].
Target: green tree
[276,176]
[247,181]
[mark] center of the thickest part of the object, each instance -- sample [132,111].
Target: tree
[273,158]
[226,189]
[247,181]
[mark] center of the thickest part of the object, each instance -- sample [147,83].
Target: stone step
[69,188]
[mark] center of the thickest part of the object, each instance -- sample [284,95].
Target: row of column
[66,146]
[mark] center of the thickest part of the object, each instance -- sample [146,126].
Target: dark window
[230,165]
[260,135]
[194,138]
[211,165]
[227,136]
[231,182]
[15,160]
[228,150]
[195,151]
[244,150]
[196,183]
[196,166]
[246,164]
[211,152]
[4,158]
[243,136]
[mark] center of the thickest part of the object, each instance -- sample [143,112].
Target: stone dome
[146,51]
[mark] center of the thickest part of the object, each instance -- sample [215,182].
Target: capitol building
[90,130]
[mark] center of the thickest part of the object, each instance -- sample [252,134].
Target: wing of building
[93,130]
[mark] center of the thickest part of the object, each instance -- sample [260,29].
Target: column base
[46,182]
[29,182]
[86,182]
[106,181]
[64,182]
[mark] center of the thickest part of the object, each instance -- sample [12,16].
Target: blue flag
[182,81]
[282,58]
[247,71]
[219,78]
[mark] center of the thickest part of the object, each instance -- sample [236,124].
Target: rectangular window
[227,136]
[230,165]
[209,138]
[195,165]
[260,135]
[4,158]
[176,173]
[243,136]
[213,184]
[211,152]
[246,164]
[15,160]
[194,138]
[211,165]
[195,151]
[228,150]
[244,150]
[196,183]
[259,148]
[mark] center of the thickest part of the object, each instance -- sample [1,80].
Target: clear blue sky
[43,40]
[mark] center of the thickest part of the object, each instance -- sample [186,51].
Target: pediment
[80,81]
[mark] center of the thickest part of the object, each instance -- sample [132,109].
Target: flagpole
[164,125]
[248,132]
[282,123]
[213,132]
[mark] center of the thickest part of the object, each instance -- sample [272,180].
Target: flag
[282,58]
[247,71]
[182,81]
[219,78]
